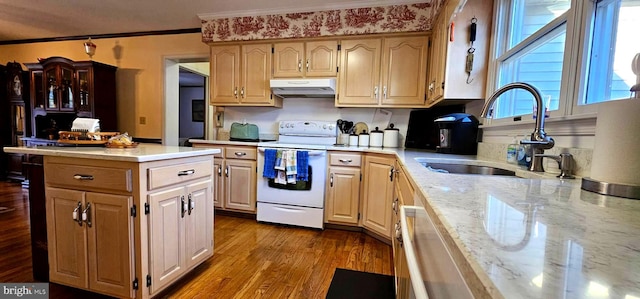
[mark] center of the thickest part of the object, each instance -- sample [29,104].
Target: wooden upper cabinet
[288,60]
[383,72]
[404,65]
[321,58]
[240,75]
[448,77]
[256,73]
[225,74]
[305,59]
[359,72]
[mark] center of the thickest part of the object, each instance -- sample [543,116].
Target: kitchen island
[126,222]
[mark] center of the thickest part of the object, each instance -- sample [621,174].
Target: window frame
[579,20]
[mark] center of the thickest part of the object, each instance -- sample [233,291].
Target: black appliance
[422,132]
[458,134]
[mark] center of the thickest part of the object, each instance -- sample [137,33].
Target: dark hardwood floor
[251,260]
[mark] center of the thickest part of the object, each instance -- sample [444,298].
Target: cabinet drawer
[89,177]
[173,174]
[240,153]
[341,159]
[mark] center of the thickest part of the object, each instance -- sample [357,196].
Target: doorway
[198,66]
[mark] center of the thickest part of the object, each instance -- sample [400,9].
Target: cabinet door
[110,243]
[437,57]
[66,238]
[288,60]
[343,195]
[378,194]
[84,93]
[166,233]
[256,73]
[218,183]
[359,74]
[404,71]
[199,223]
[240,185]
[321,59]
[225,74]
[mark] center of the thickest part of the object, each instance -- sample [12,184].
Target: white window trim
[579,20]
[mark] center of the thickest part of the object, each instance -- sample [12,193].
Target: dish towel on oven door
[286,166]
[303,166]
[269,170]
[291,166]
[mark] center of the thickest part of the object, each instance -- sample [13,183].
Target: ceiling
[45,19]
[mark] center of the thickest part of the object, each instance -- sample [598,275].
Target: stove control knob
[324,127]
[287,125]
[293,125]
[281,125]
[330,127]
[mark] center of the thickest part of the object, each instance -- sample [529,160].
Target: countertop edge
[126,155]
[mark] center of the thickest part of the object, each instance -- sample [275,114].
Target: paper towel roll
[616,152]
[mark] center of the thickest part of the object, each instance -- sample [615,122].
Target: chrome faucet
[539,140]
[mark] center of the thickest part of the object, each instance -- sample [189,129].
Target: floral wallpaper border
[384,19]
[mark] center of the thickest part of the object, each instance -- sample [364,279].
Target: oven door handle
[311,153]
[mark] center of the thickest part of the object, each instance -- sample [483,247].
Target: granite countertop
[530,236]
[535,237]
[142,153]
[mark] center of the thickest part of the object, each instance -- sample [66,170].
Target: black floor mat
[355,284]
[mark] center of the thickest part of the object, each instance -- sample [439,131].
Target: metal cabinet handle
[394,206]
[183,206]
[76,214]
[191,203]
[219,170]
[384,91]
[83,177]
[398,233]
[300,65]
[240,154]
[186,172]
[375,92]
[345,160]
[391,171]
[331,180]
[86,214]
[307,64]
[235,92]
[226,171]
[242,92]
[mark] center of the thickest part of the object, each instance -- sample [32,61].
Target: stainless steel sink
[467,169]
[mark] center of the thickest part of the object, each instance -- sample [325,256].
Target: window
[576,52]
[614,45]
[534,41]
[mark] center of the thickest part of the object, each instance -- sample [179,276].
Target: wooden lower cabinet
[179,235]
[240,185]
[90,240]
[377,193]
[127,229]
[235,178]
[343,195]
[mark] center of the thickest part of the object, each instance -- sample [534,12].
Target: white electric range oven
[302,203]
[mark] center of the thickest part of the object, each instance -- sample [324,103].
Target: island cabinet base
[127,229]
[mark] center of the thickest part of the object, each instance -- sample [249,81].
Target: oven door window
[298,186]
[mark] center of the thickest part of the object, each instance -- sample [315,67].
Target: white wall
[309,109]
[189,128]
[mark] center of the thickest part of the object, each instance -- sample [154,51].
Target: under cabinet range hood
[304,88]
